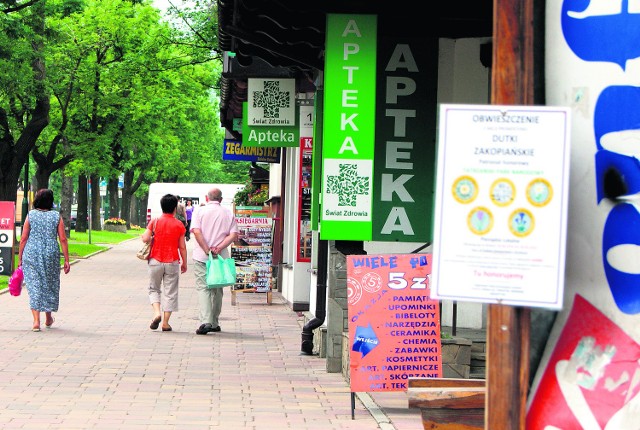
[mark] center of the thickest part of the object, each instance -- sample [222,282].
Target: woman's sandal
[155,323]
[52,321]
[35,329]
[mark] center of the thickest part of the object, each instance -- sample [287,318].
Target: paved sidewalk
[101,367]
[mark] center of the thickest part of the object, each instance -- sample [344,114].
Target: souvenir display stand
[252,252]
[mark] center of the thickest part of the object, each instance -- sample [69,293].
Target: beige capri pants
[167,274]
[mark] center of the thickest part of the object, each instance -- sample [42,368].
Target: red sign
[592,380]
[304,200]
[394,326]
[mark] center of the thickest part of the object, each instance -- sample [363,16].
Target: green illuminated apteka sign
[349,127]
[268,136]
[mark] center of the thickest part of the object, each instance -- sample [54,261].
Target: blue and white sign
[592,50]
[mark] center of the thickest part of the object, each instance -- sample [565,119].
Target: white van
[194,192]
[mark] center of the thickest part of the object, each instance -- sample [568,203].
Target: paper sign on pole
[501,204]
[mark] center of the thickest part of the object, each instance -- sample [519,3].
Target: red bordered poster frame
[304,200]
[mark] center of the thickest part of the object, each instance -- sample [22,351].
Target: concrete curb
[375,411]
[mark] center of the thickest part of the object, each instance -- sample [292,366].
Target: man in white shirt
[214,228]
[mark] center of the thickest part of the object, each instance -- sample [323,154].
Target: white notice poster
[501,204]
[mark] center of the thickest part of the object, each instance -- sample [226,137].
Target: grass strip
[80,248]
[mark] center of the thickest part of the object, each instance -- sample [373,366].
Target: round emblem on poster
[539,192]
[503,192]
[371,282]
[521,222]
[465,189]
[354,291]
[480,220]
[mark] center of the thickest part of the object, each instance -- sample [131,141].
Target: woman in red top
[167,260]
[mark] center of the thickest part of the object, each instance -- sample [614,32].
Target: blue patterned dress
[41,261]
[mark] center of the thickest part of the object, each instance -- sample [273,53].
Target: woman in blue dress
[39,256]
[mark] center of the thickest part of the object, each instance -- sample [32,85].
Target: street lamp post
[90,208]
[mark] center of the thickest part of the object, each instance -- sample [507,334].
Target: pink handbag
[15,282]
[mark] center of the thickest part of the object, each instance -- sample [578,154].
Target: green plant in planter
[251,195]
[258,197]
[115,221]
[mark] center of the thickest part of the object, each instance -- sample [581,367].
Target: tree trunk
[14,154]
[130,204]
[96,223]
[66,200]
[112,192]
[144,200]
[134,217]
[83,205]
[50,161]
[127,197]
[42,175]
[9,178]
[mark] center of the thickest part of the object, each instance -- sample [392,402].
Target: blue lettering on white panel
[609,31]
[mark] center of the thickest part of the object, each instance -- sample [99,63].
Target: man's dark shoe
[215,329]
[204,329]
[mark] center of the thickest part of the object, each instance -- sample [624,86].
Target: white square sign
[501,204]
[271,102]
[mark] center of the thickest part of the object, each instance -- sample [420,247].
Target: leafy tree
[64,54]
[24,98]
[125,94]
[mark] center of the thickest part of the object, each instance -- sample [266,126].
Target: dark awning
[285,38]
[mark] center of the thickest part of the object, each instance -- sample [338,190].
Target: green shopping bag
[221,272]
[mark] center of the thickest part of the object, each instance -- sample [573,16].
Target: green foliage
[258,197]
[251,195]
[130,91]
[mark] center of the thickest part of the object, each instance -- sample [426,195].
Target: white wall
[296,277]
[275,179]
[461,76]
[463,79]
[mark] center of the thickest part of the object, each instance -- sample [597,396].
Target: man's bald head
[215,194]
